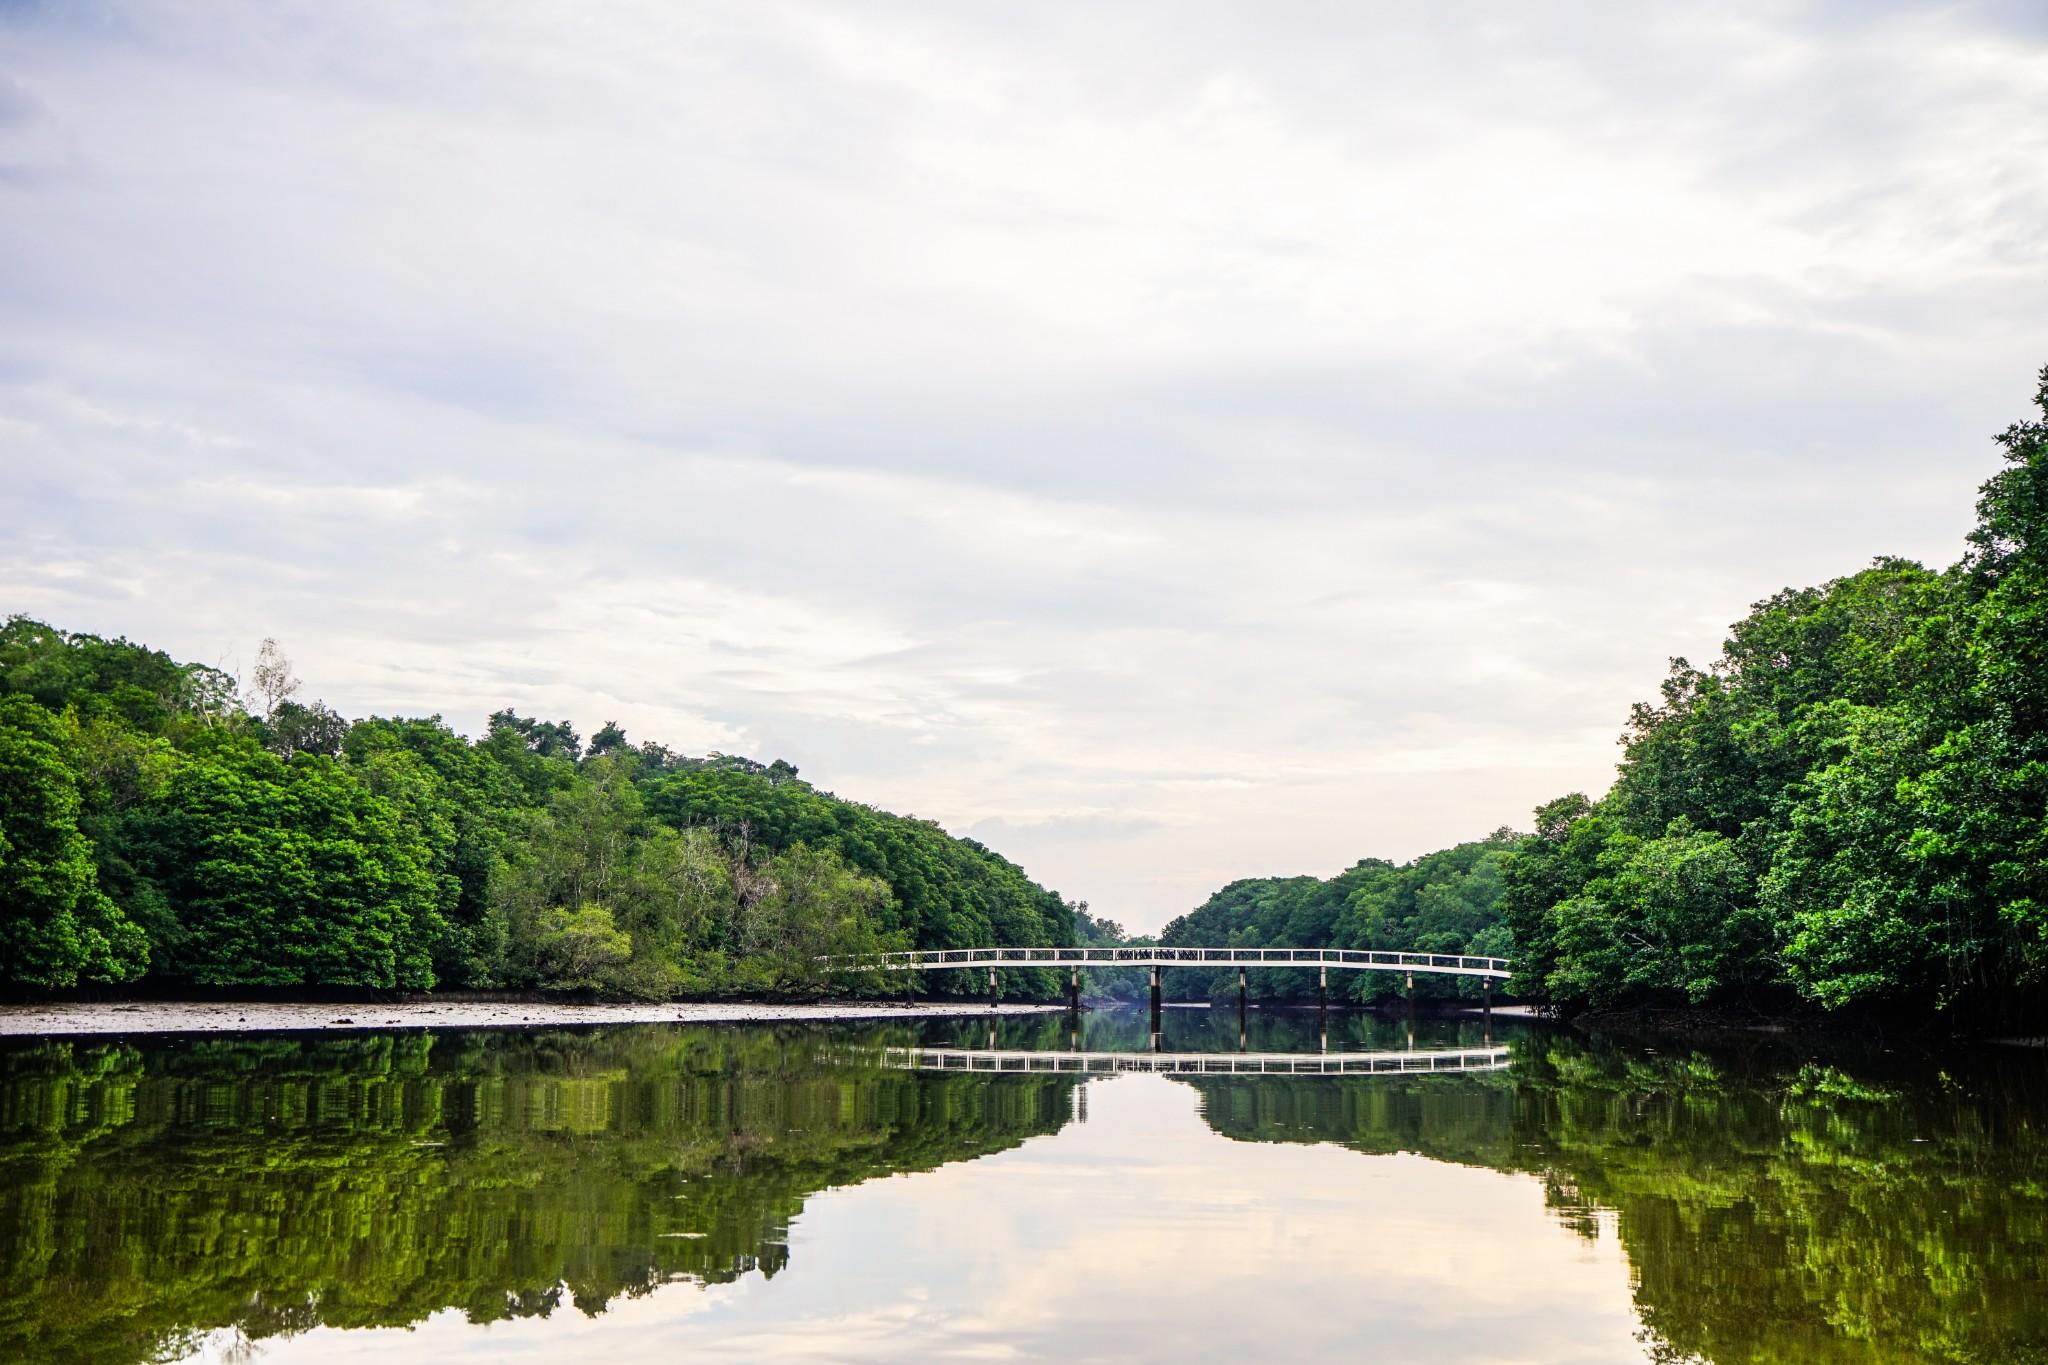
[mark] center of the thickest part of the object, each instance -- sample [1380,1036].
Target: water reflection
[1771,1205]
[148,1192]
[1297,1031]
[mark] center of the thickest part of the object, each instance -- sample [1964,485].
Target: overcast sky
[1169,442]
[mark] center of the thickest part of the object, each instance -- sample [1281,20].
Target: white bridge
[1344,959]
[1198,1063]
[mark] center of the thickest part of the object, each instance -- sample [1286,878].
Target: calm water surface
[764,1193]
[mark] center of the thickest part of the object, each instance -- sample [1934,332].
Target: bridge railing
[1347,959]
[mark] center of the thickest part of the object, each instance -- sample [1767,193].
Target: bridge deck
[1200,1063]
[1344,959]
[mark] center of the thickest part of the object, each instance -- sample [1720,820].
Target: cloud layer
[1172,442]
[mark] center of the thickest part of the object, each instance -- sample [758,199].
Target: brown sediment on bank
[77,1018]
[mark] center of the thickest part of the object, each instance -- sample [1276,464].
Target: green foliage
[56,668]
[287,874]
[464,805]
[698,915]
[155,821]
[943,892]
[1676,915]
[1849,807]
[56,925]
[580,948]
[947,893]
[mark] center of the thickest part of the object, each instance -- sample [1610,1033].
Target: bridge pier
[1323,992]
[1242,992]
[991,988]
[1074,992]
[1155,1000]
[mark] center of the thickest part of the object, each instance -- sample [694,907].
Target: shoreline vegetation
[172,829]
[1843,820]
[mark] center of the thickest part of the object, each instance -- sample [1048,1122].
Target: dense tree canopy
[156,819]
[1849,807]
[56,925]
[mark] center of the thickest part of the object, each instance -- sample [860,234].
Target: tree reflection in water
[1773,1207]
[151,1193]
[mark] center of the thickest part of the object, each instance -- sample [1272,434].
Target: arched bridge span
[1155,956]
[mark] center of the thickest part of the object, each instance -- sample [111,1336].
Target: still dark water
[665,1193]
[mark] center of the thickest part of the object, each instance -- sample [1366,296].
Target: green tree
[290,873]
[56,925]
[581,948]
[1675,916]
[944,892]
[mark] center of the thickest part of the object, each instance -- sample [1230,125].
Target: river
[804,1191]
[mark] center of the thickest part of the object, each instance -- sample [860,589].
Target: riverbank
[80,1018]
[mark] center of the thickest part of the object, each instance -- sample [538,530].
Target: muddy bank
[72,1018]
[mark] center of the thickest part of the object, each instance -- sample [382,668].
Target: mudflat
[189,1016]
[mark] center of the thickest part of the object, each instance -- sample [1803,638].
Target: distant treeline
[159,822]
[1848,808]
[1447,902]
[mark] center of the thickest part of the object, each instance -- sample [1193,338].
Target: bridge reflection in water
[1002,1061]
